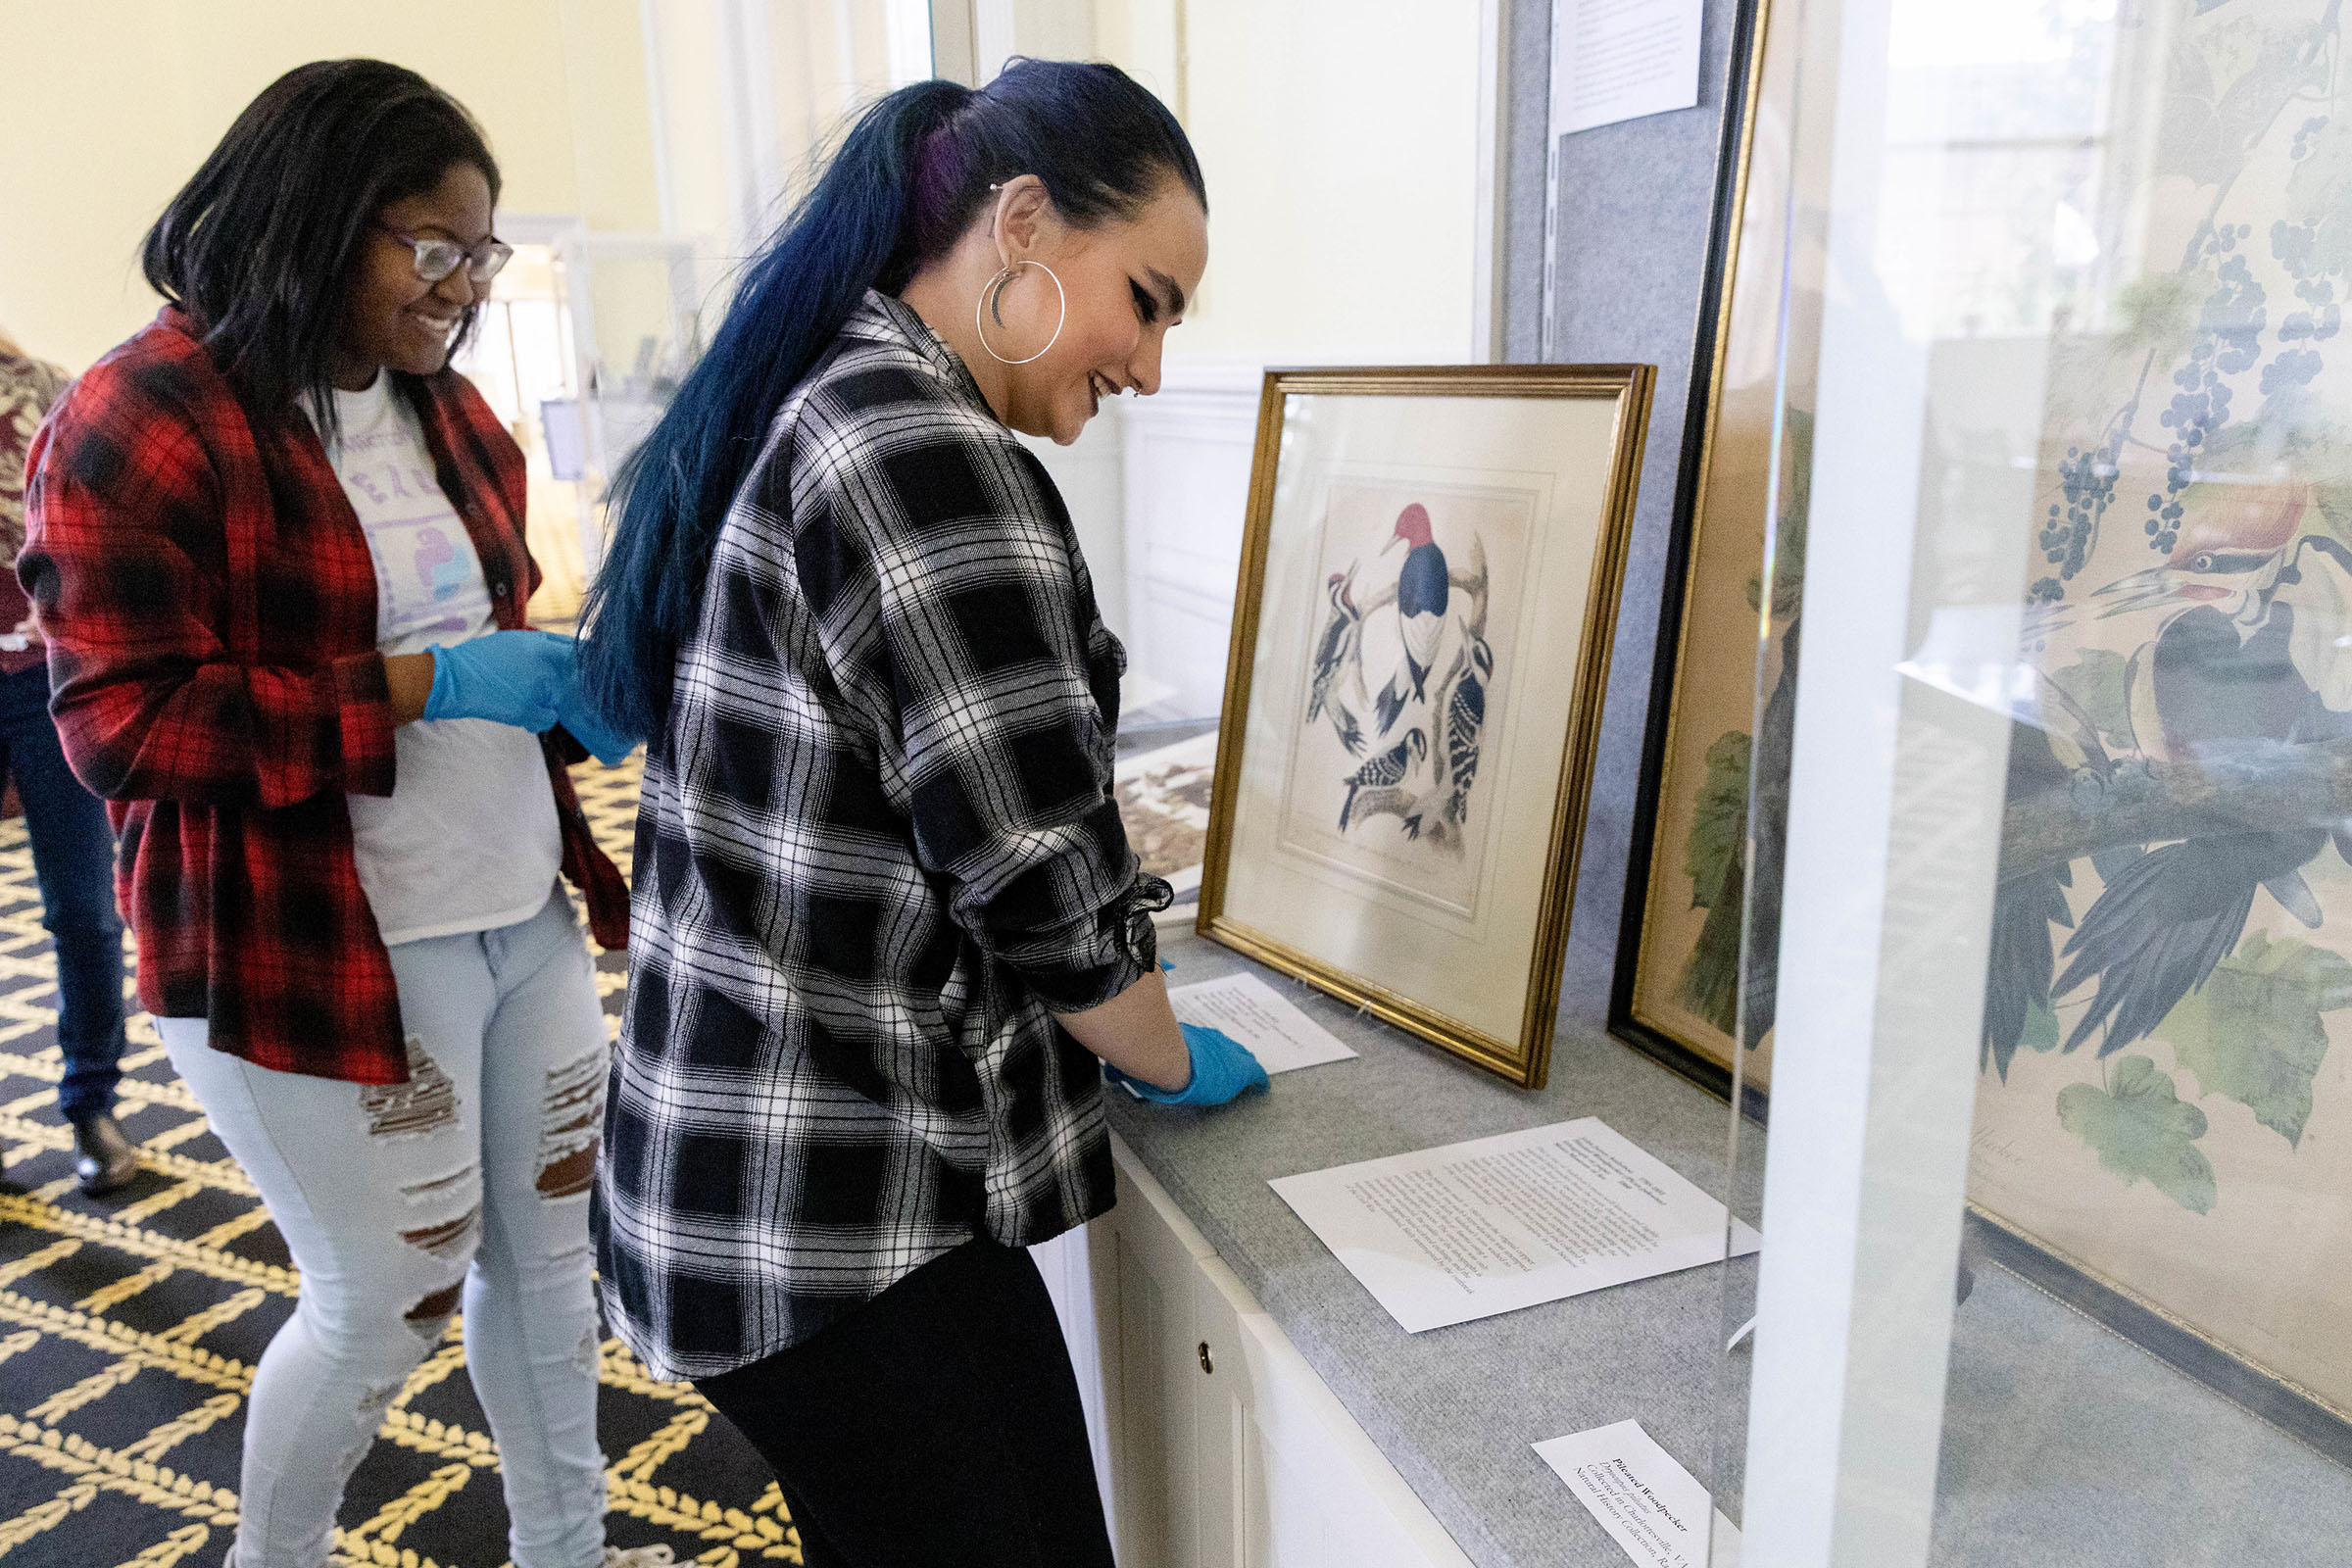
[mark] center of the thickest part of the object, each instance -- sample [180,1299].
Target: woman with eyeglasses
[276,547]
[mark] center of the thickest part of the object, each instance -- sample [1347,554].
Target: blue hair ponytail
[908,180]
[671,493]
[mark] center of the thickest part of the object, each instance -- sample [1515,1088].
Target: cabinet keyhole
[1205,1364]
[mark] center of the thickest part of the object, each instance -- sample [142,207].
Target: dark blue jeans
[74,860]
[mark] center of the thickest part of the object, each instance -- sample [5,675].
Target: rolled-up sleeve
[952,609]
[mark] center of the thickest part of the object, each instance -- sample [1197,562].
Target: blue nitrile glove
[1222,1069]
[605,743]
[509,678]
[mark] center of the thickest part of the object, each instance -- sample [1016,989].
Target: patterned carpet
[130,1327]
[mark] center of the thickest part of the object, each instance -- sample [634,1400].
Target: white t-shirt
[467,840]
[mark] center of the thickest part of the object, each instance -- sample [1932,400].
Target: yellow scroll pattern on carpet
[83,1358]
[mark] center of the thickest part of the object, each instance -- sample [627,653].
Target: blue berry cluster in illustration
[2296,245]
[2229,342]
[2087,482]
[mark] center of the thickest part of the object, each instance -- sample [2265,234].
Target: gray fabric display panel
[1632,242]
[1522,174]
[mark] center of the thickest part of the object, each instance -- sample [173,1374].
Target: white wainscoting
[1215,1444]
[1157,488]
[1187,480]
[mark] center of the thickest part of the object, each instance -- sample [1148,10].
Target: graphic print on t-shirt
[426,572]
[429,584]
[467,841]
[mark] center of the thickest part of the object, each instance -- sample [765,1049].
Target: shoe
[105,1157]
[638,1557]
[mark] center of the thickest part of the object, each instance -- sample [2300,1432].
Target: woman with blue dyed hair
[886,919]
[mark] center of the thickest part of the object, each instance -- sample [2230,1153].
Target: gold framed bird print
[1429,584]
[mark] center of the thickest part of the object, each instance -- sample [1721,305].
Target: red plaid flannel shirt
[211,610]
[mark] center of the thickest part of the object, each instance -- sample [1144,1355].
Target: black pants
[934,1427]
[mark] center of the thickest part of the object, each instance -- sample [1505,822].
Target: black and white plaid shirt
[877,844]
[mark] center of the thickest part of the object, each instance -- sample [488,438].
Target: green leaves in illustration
[2253,1031]
[1708,985]
[2319,194]
[2334,499]
[2159,315]
[1797,509]
[2213,116]
[2099,684]
[1795,464]
[1719,822]
[2042,1028]
[2141,1131]
[1709,982]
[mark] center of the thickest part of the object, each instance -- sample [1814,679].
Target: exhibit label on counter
[1443,1236]
[1281,1037]
[1653,1508]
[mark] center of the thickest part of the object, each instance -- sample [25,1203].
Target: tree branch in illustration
[2246,787]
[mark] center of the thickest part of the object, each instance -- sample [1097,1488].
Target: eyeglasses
[436,259]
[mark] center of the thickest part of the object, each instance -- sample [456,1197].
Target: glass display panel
[2099,251]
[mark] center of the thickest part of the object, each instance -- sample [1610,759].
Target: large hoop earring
[996,287]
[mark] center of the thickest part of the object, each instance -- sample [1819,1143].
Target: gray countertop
[1455,1409]
[2063,1444]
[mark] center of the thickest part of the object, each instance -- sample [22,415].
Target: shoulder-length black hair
[260,246]
[911,175]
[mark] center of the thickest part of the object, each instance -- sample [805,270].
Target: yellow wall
[608,133]
[1339,142]
[1338,137]
[111,104]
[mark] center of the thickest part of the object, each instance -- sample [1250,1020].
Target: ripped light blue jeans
[469,1179]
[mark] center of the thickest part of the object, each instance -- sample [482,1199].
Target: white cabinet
[1225,1450]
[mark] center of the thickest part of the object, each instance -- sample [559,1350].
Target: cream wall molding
[1185,468]
[1487,249]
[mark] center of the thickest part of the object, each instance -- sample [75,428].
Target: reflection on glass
[2175,910]
[2116,236]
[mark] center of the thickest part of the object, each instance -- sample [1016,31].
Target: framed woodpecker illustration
[1429,584]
